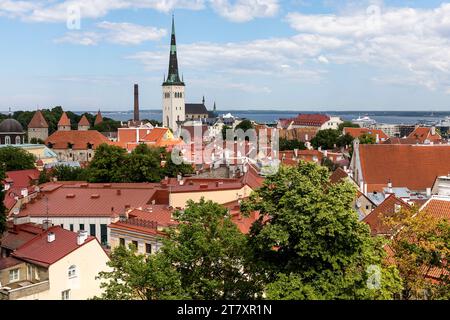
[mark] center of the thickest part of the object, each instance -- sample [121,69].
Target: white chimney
[82,237]
[433,130]
[51,237]
[377,138]
[428,192]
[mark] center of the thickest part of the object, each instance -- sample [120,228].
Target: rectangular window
[122,242]
[135,243]
[103,234]
[92,229]
[14,275]
[148,248]
[71,227]
[65,295]
[81,226]
[62,225]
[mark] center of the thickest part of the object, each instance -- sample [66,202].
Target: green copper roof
[173,77]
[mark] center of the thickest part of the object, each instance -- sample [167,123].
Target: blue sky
[252,54]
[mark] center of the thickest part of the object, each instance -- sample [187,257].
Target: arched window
[7,140]
[17,139]
[72,272]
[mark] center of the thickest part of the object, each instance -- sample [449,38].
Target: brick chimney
[136,102]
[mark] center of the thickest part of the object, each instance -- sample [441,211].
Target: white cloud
[129,33]
[112,32]
[415,43]
[57,11]
[245,10]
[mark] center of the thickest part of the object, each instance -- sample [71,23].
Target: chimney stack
[82,237]
[136,102]
[51,237]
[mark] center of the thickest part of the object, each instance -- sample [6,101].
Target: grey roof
[10,125]
[195,108]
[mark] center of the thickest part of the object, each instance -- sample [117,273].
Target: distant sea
[264,116]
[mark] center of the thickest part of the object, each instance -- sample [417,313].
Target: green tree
[367,139]
[68,173]
[286,144]
[347,124]
[16,158]
[144,164]
[314,246]
[345,140]
[420,243]
[245,125]
[107,125]
[140,277]
[224,131]
[326,139]
[173,170]
[43,177]
[210,254]
[108,165]
[36,141]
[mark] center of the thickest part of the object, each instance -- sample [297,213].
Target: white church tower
[173,90]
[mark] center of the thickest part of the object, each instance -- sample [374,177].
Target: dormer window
[72,272]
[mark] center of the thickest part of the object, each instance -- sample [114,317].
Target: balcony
[23,289]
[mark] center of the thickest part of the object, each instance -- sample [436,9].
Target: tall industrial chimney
[136,102]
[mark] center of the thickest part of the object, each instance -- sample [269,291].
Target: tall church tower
[173,90]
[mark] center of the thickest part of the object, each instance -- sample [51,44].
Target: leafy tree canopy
[15,158]
[314,246]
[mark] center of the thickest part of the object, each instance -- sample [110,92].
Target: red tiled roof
[413,166]
[386,208]
[252,178]
[9,262]
[338,175]
[394,140]
[424,133]
[22,178]
[98,118]
[128,135]
[64,121]
[315,120]
[243,223]
[90,200]
[438,208]
[358,132]
[45,253]
[84,121]
[18,235]
[38,121]
[79,139]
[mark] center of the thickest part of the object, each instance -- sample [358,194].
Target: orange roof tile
[338,175]
[38,121]
[40,251]
[79,139]
[386,208]
[413,166]
[424,133]
[358,132]
[98,118]
[438,207]
[64,121]
[84,121]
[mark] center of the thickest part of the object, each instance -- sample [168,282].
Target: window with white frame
[72,272]
[14,275]
[65,295]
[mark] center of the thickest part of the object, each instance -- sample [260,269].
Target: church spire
[173,77]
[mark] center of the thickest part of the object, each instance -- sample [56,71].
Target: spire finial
[203,99]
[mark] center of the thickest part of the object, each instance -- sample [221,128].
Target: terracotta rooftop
[98,118]
[18,235]
[40,251]
[358,132]
[439,207]
[338,175]
[9,262]
[315,120]
[22,178]
[79,139]
[38,121]
[91,200]
[421,134]
[84,121]
[64,120]
[413,166]
[301,134]
[388,207]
